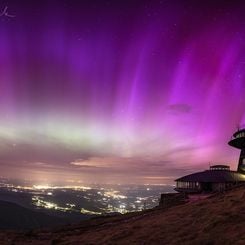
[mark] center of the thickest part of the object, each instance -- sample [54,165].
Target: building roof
[215,176]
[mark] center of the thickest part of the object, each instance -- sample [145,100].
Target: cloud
[84,163]
[136,166]
[111,162]
[179,108]
[40,164]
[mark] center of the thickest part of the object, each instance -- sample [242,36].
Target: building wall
[172,199]
[188,185]
[218,186]
[204,186]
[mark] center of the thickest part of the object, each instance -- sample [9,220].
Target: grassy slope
[216,220]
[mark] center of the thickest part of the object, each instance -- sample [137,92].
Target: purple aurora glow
[119,91]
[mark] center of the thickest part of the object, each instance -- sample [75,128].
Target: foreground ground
[216,220]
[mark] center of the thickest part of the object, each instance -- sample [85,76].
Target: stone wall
[172,199]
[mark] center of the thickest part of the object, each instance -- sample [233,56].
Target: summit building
[217,177]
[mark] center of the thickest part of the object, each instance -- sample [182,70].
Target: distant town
[83,199]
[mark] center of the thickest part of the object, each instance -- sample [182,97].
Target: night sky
[119,91]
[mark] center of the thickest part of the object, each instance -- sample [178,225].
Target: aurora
[119,91]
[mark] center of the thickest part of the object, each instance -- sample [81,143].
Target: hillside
[218,219]
[13,216]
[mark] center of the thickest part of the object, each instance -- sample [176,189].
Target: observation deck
[238,139]
[220,167]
